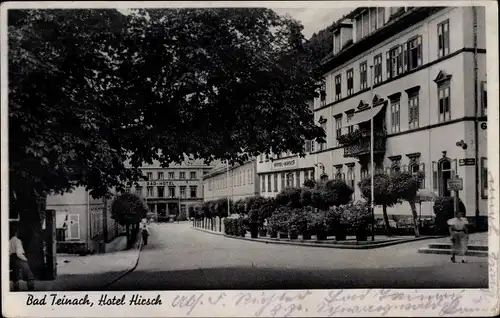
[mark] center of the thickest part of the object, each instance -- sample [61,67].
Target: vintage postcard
[235,159]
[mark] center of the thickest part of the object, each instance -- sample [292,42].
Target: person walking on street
[145,233]
[459,235]
[19,263]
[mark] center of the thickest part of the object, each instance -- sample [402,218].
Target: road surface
[181,258]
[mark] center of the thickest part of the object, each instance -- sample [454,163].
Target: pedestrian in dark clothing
[145,233]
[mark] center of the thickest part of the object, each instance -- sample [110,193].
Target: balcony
[357,143]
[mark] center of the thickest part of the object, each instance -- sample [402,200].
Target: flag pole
[227,178]
[372,199]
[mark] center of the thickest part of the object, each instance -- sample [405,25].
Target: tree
[290,197]
[331,193]
[405,186]
[129,209]
[383,194]
[94,94]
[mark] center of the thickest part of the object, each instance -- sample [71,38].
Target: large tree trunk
[30,209]
[415,218]
[386,220]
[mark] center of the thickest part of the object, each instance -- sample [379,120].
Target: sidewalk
[76,273]
[349,243]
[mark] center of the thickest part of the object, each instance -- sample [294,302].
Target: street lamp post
[371,156]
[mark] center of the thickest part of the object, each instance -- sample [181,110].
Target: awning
[365,115]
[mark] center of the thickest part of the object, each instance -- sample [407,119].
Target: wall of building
[280,168]
[237,182]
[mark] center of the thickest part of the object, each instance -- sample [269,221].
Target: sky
[314,19]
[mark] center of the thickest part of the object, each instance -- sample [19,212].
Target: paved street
[179,257]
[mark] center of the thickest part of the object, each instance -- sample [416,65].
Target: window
[192,175]
[193,191]
[395,116]
[484,99]
[149,191]
[336,42]
[289,179]
[394,61]
[183,210]
[269,181]
[350,81]
[149,175]
[444,101]
[322,93]
[484,178]
[373,20]
[307,146]
[282,181]
[171,192]
[350,128]
[322,144]
[160,176]
[363,75]
[443,39]
[182,175]
[364,171]
[261,158]
[138,191]
[377,62]
[297,178]
[73,229]
[366,23]
[413,115]
[381,17]
[413,53]
[161,192]
[275,182]
[171,175]
[338,127]
[182,190]
[263,181]
[338,174]
[350,176]
[338,87]
[312,145]
[414,169]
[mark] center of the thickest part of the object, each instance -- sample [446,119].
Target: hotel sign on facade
[160,183]
[284,164]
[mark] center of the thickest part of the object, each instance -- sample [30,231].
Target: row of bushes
[326,207]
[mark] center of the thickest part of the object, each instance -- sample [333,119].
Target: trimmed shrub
[289,197]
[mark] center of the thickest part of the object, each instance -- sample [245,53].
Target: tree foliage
[128,209]
[331,193]
[90,89]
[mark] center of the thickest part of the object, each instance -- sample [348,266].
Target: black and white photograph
[312,156]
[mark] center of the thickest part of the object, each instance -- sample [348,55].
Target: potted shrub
[317,225]
[337,223]
[358,216]
[297,223]
[307,229]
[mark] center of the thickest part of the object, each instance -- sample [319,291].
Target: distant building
[172,191]
[233,182]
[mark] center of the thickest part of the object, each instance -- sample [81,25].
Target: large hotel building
[428,70]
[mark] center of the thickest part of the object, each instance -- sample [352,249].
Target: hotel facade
[173,191]
[235,182]
[428,69]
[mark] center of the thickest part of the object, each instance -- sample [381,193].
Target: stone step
[448,246]
[426,250]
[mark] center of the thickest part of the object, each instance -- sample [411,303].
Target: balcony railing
[361,146]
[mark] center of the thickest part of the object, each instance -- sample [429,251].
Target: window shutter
[434,176]
[399,59]
[405,57]
[422,169]
[419,50]
[388,61]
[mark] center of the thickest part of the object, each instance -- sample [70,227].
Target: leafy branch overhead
[92,89]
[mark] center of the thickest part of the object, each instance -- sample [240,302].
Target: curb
[127,271]
[324,245]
